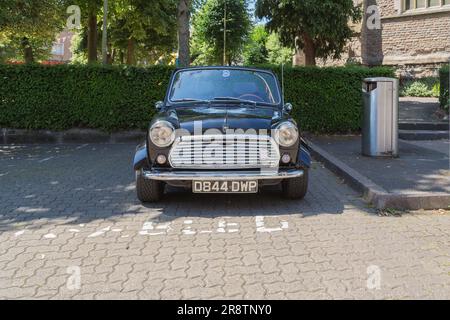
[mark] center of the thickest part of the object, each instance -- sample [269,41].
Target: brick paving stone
[78,211]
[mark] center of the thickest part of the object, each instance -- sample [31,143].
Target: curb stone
[375,194]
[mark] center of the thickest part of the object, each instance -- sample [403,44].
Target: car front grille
[224,152]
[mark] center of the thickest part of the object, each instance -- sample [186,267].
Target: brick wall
[417,38]
[387,7]
[416,42]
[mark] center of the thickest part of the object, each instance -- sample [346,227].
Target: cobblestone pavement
[71,227]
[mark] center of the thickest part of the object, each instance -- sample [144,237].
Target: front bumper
[221,175]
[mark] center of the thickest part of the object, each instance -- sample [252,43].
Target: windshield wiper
[192,100]
[222,99]
[254,103]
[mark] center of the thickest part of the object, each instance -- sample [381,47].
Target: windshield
[223,84]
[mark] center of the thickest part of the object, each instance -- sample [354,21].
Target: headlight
[162,134]
[287,134]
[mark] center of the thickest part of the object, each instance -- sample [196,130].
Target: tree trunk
[112,56]
[92,37]
[121,57]
[28,55]
[130,52]
[183,33]
[309,50]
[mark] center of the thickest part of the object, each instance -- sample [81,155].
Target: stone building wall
[416,42]
[388,7]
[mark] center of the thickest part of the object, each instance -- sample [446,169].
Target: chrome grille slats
[224,152]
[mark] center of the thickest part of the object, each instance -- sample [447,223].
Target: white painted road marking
[260,225]
[153,229]
[82,146]
[19,233]
[100,232]
[149,227]
[46,159]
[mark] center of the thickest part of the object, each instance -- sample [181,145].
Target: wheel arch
[304,155]
[141,160]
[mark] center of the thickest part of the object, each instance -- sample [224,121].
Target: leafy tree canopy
[264,47]
[320,28]
[208,36]
[255,51]
[31,24]
[144,27]
[278,54]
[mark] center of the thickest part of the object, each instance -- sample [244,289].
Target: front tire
[148,191]
[296,188]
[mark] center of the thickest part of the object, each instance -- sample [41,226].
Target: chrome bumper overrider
[221,175]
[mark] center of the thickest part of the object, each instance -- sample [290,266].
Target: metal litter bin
[380,120]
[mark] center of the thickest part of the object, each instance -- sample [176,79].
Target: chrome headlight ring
[162,134]
[286,134]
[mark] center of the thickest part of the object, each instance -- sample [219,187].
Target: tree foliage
[208,36]
[320,28]
[145,26]
[28,27]
[139,31]
[264,47]
[90,9]
[255,51]
[278,54]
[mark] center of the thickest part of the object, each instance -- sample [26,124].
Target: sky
[251,6]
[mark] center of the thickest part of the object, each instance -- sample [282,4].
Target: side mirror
[159,105]
[288,107]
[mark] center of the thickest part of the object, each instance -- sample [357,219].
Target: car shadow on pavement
[78,184]
[327,196]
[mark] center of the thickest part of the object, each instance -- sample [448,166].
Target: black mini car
[222,130]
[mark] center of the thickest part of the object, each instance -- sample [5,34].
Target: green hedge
[64,97]
[444,95]
[122,98]
[328,100]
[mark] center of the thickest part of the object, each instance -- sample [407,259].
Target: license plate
[225,186]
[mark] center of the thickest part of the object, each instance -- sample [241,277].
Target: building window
[58,49]
[423,4]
